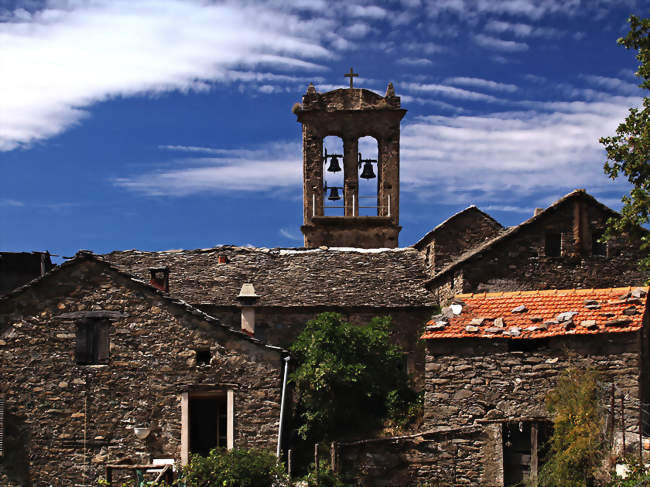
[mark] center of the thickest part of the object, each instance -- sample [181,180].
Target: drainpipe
[284,395]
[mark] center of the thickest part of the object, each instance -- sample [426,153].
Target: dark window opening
[597,247]
[553,245]
[93,342]
[523,345]
[203,357]
[208,423]
[2,425]
[524,449]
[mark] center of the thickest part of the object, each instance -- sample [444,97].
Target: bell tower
[350,113]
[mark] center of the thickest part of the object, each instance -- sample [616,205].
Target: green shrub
[233,468]
[349,379]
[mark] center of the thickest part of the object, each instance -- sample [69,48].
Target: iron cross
[351,75]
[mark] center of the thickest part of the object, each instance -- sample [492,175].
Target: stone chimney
[248,298]
[160,278]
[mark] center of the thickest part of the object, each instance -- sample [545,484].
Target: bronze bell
[334,164]
[367,172]
[334,194]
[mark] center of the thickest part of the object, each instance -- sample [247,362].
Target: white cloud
[613,84]
[502,156]
[12,203]
[63,58]
[271,167]
[521,30]
[414,61]
[500,44]
[291,234]
[482,83]
[370,11]
[448,91]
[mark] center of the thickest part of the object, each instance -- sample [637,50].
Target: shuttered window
[2,425]
[92,342]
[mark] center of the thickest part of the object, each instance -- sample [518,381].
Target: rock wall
[473,382]
[65,421]
[519,262]
[444,457]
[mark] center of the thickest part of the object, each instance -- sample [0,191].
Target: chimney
[160,278]
[248,298]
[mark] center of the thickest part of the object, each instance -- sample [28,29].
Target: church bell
[334,194]
[367,172]
[334,164]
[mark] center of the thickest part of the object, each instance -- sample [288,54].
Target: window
[2,425]
[203,356]
[207,422]
[92,342]
[598,248]
[553,244]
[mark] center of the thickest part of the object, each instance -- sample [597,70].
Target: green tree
[577,446]
[233,468]
[628,152]
[349,378]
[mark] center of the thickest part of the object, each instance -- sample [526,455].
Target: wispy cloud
[270,167]
[500,44]
[448,91]
[291,234]
[521,30]
[482,83]
[69,55]
[414,61]
[12,203]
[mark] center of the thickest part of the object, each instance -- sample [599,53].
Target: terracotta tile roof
[540,314]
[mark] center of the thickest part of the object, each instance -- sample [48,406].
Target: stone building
[555,249]
[17,268]
[88,352]
[295,285]
[492,358]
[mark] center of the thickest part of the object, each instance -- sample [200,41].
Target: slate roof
[470,209]
[476,252]
[288,277]
[167,298]
[541,314]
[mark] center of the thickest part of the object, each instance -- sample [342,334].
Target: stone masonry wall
[442,458]
[479,382]
[519,263]
[65,421]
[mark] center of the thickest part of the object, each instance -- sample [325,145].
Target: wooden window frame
[92,342]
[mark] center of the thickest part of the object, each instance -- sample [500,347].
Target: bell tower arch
[350,113]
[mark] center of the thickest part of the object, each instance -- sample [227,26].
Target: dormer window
[553,244]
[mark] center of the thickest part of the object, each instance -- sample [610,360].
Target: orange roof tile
[605,315]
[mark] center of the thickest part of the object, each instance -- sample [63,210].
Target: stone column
[312,166]
[351,176]
[388,176]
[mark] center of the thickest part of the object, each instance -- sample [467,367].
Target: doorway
[208,423]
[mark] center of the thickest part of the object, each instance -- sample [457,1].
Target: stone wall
[518,262]
[65,421]
[473,382]
[444,457]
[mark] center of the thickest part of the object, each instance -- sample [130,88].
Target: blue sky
[167,124]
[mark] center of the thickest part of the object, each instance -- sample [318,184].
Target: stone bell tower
[350,113]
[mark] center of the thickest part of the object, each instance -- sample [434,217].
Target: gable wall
[52,403]
[465,231]
[519,263]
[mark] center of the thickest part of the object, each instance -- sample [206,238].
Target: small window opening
[597,247]
[160,278]
[523,345]
[203,357]
[208,423]
[333,179]
[93,342]
[553,244]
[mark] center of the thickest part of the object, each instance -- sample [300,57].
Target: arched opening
[368,176]
[333,197]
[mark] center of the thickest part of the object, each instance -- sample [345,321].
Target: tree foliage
[628,152]
[349,379]
[577,446]
[233,468]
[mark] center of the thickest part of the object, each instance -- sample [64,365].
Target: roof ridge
[534,292]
